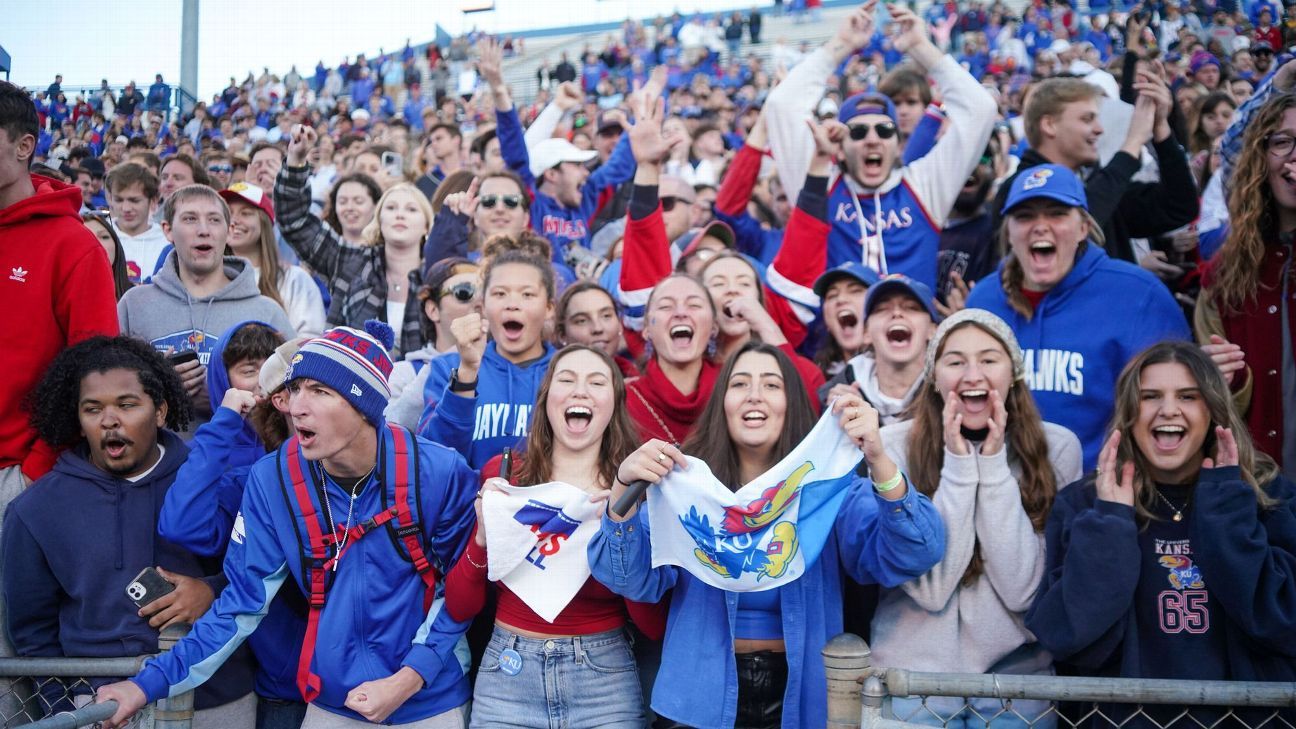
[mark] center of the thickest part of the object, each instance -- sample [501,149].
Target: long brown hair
[620,438]
[270,272]
[1253,211]
[1257,468]
[710,439]
[1025,439]
[121,279]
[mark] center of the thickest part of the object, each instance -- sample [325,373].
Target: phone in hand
[394,164]
[148,585]
[185,355]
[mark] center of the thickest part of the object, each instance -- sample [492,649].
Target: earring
[648,349]
[712,347]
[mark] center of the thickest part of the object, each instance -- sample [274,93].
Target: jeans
[279,714]
[584,681]
[975,713]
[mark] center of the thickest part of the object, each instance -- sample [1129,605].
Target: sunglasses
[885,130]
[221,169]
[463,292]
[669,202]
[509,201]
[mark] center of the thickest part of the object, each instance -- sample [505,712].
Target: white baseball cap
[552,152]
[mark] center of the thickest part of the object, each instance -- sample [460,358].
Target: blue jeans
[279,714]
[974,713]
[585,681]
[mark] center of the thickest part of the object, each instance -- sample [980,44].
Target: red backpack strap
[409,531]
[315,570]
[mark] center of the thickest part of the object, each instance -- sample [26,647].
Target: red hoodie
[57,290]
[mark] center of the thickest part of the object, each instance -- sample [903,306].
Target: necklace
[328,510]
[653,413]
[1178,512]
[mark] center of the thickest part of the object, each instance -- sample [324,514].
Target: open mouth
[578,418]
[115,447]
[899,335]
[681,335]
[1168,437]
[1042,252]
[754,418]
[513,328]
[847,318]
[974,401]
[305,437]
[204,248]
[873,163]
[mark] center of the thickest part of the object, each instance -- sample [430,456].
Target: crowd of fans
[1036,264]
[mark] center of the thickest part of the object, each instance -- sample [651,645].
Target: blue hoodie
[245,447]
[498,417]
[198,514]
[370,627]
[1097,318]
[74,541]
[873,540]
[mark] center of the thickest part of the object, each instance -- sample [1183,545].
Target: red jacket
[1257,329]
[57,289]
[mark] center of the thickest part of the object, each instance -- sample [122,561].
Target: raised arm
[317,244]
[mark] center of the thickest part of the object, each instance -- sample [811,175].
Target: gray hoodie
[165,315]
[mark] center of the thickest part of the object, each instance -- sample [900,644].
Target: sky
[124,40]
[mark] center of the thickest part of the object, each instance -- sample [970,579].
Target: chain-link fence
[867,697]
[49,693]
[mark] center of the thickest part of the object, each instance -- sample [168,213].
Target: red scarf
[660,410]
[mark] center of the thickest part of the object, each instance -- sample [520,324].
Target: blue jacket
[1083,332]
[74,541]
[497,417]
[1085,612]
[876,541]
[198,514]
[562,225]
[370,627]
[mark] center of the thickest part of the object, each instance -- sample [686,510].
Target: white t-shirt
[396,316]
[142,252]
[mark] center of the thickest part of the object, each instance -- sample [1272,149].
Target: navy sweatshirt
[72,543]
[1211,597]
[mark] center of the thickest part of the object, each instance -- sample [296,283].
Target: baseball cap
[894,282]
[849,269]
[1262,46]
[94,166]
[552,152]
[1052,181]
[250,194]
[604,122]
[868,102]
[717,229]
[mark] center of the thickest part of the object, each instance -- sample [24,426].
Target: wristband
[890,484]
[458,386]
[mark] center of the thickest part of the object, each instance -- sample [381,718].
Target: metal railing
[862,696]
[45,693]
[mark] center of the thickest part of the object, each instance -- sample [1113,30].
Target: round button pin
[510,662]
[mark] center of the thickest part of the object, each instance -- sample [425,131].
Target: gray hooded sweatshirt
[165,315]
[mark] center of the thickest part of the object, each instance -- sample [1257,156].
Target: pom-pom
[380,331]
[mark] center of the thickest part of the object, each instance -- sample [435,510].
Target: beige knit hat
[992,324]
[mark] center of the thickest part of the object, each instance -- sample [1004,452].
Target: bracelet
[617,478]
[468,557]
[890,484]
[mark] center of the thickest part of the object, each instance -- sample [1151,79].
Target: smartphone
[148,586]
[184,355]
[394,164]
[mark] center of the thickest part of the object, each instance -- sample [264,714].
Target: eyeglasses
[463,292]
[669,202]
[885,130]
[1280,145]
[510,201]
[221,169]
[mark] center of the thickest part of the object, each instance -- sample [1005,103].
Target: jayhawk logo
[1184,575]
[732,549]
[1036,179]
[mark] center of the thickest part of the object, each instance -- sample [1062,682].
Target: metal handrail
[78,667]
[84,716]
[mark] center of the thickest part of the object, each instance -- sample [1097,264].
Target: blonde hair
[372,234]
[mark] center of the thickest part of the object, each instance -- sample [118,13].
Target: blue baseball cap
[894,282]
[1052,181]
[868,102]
[849,269]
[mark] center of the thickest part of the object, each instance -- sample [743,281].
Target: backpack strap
[405,502]
[315,569]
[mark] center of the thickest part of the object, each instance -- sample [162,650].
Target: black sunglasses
[510,201]
[885,130]
[669,202]
[463,292]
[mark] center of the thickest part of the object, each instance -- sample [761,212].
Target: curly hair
[54,403]
[1253,210]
